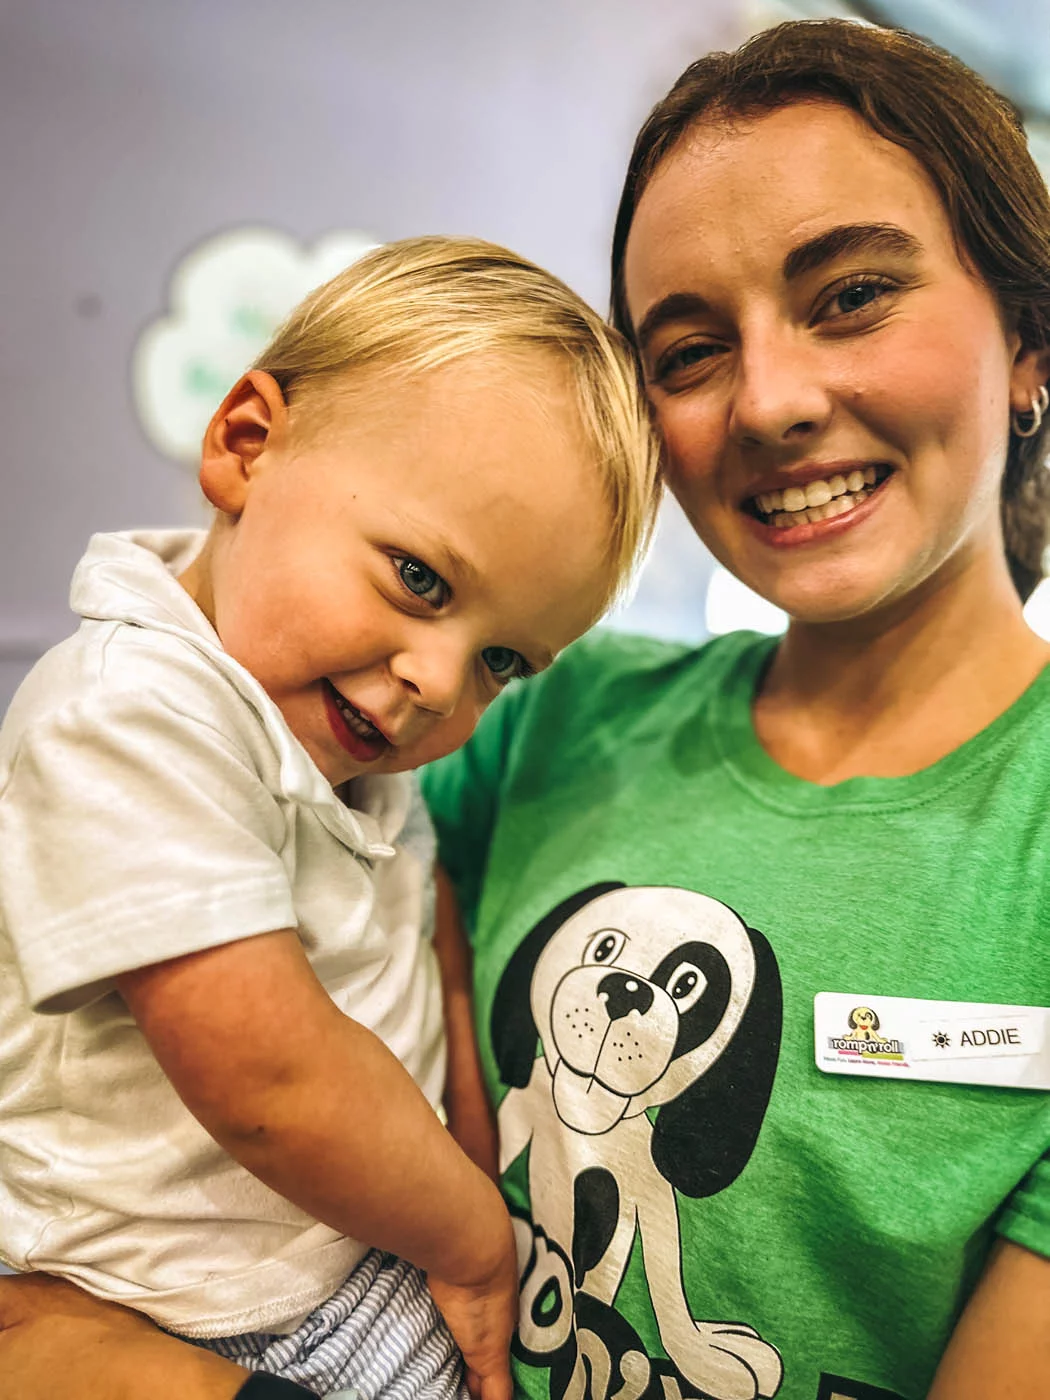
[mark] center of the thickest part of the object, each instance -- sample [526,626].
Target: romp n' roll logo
[864,1040]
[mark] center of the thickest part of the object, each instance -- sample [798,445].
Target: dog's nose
[623,993]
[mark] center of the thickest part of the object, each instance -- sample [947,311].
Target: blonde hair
[420,303]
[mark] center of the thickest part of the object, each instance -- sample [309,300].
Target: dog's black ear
[511,1024]
[703,1139]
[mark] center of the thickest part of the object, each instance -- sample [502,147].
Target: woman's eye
[505,664]
[681,358]
[857,296]
[421,580]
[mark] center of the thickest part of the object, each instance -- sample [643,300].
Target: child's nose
[434,679]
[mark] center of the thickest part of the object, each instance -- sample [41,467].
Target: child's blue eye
[421,580]
[505,664]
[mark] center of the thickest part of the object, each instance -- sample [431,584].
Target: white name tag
[953,1042]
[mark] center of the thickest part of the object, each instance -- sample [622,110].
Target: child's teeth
[356,722]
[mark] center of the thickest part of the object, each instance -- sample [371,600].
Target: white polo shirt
[153,803]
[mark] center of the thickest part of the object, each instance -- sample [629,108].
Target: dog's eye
[605,946]
[686,985]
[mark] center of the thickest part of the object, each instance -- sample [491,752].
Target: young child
[215,875]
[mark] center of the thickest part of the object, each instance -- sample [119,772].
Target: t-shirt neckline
[754,769]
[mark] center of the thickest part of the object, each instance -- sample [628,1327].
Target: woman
[691,874]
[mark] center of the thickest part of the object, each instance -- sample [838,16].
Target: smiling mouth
[357,734]
[825,499]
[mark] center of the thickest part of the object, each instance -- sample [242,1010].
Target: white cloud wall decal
[226,298]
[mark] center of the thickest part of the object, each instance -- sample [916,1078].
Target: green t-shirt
[700,1210]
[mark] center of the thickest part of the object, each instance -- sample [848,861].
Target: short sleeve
[132,832]
[463,794]
[1025,1219]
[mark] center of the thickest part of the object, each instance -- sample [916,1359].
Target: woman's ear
[251,420]
[1031,368]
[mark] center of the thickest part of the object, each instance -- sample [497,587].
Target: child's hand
[482,1316]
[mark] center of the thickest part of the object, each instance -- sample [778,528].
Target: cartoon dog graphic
[864,1025]
[641,999]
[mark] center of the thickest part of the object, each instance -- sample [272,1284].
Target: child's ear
[251,420]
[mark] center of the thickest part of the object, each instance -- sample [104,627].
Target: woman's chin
[823,597]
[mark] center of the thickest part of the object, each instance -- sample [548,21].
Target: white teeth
[356,722]
[817,500]
[841,505]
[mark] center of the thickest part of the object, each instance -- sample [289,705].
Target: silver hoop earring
[1040,403]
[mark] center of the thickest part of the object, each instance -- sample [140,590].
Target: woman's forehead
[743,192]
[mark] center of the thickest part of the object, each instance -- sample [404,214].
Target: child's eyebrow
[439,553]
[451,561]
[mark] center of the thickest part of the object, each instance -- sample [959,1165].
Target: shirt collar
[132,577]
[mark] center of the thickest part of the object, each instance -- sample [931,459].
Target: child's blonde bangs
[415,305]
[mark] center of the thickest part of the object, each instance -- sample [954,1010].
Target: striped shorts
[379,1335]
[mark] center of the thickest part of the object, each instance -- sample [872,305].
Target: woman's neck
[891,693]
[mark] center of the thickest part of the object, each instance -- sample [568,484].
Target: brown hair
[971,143]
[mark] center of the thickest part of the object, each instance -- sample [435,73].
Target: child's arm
[471,1120]
[317,1107]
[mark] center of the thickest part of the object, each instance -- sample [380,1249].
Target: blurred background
[177,173]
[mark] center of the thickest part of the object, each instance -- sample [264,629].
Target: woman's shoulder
[649,666]
[607,681]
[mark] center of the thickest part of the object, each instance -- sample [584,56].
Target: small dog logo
[864,1025]
[863,1040]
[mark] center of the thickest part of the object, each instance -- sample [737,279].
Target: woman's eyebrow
[834,242]
[844,239]
[679,306]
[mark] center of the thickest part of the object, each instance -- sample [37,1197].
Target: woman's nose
[778,396]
